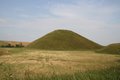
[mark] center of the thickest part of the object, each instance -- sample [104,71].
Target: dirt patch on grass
[4,52]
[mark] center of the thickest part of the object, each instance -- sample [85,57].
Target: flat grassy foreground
[24,64]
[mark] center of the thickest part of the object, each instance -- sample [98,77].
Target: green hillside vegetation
[112,48]
[63,40]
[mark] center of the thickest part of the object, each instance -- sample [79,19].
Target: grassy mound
[112,48]
[63,40]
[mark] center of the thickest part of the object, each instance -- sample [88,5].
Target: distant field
[25,64]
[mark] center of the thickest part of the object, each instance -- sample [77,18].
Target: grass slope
[112,48]
[63,40]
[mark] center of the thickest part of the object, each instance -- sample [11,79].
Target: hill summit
[63,40]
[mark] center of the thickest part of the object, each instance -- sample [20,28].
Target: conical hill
[63,40]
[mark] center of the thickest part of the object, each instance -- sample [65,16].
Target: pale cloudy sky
[27,20]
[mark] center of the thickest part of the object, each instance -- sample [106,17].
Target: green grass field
[25,64]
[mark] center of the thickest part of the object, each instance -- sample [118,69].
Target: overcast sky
[27,20]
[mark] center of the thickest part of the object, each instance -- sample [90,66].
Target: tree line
[13,46]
